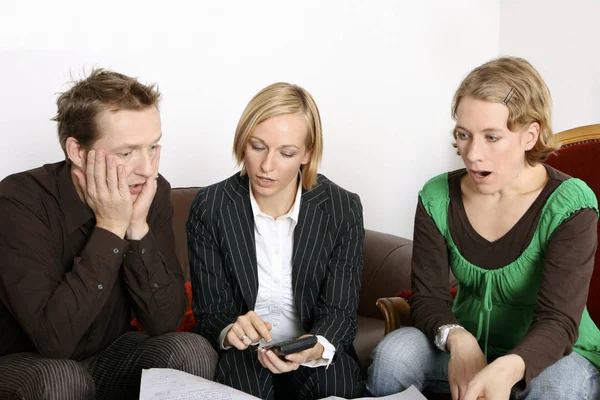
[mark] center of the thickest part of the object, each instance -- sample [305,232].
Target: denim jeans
[407,357]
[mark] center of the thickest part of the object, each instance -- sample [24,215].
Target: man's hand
[466,360]
[106,191]
[246,330]
[495,381]
[138,228]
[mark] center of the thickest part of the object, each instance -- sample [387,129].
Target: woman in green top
[520,238]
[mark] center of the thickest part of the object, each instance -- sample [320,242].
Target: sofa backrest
[182,200]
[386,270]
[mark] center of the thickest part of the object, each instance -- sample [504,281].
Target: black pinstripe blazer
[326,263]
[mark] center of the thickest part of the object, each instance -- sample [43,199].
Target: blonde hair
[514,82]
[282,99]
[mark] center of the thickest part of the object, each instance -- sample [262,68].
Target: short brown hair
[282,99]
[514,82]
[79,106]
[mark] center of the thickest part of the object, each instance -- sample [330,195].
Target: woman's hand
[273,363]
[495,381]
[246,330]
[314,353]
[466,360]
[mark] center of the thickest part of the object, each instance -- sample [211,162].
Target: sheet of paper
[171,384]
[409,394]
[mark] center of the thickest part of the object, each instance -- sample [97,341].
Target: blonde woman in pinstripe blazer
[276,253]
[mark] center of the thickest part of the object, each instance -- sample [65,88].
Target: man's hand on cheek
[106,191]
[138,227]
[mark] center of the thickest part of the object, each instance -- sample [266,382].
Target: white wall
[382,72]
[562,41]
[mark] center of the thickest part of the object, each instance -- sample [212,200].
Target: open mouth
[265,182]
[479,176]
[135,189]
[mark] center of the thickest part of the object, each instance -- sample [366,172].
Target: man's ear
[532,133]
[75,152]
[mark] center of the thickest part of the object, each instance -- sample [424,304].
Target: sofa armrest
[396,312]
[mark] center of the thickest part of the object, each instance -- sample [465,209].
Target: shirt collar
[293,212]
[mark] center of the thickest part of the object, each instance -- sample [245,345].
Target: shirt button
[143,251]
[115,250]
[276,281]
[276,251]
[100,287]
[155,285]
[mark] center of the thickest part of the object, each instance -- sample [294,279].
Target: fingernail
[269,340]
[100,153]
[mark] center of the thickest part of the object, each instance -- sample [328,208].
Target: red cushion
[187,323]
[581,160]
[405,294]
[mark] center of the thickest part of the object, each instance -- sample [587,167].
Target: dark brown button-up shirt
[67,288]
[568,267]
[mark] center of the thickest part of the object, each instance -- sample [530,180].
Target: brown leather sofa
[386,271]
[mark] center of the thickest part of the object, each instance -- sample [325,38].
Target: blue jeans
[407,357]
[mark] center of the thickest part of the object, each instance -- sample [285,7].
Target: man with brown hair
[85,245]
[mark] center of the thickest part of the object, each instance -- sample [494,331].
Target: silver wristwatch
[441,337]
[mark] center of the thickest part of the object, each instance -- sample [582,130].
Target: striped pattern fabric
[112,374]
[326,265]
[243,371]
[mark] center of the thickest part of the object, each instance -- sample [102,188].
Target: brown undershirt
[568,266]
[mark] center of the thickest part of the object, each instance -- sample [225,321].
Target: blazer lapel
[238,232]
[309,236]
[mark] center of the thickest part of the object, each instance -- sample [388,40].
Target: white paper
[171,384]
[409,394]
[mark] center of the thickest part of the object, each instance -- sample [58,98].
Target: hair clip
[508,96]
